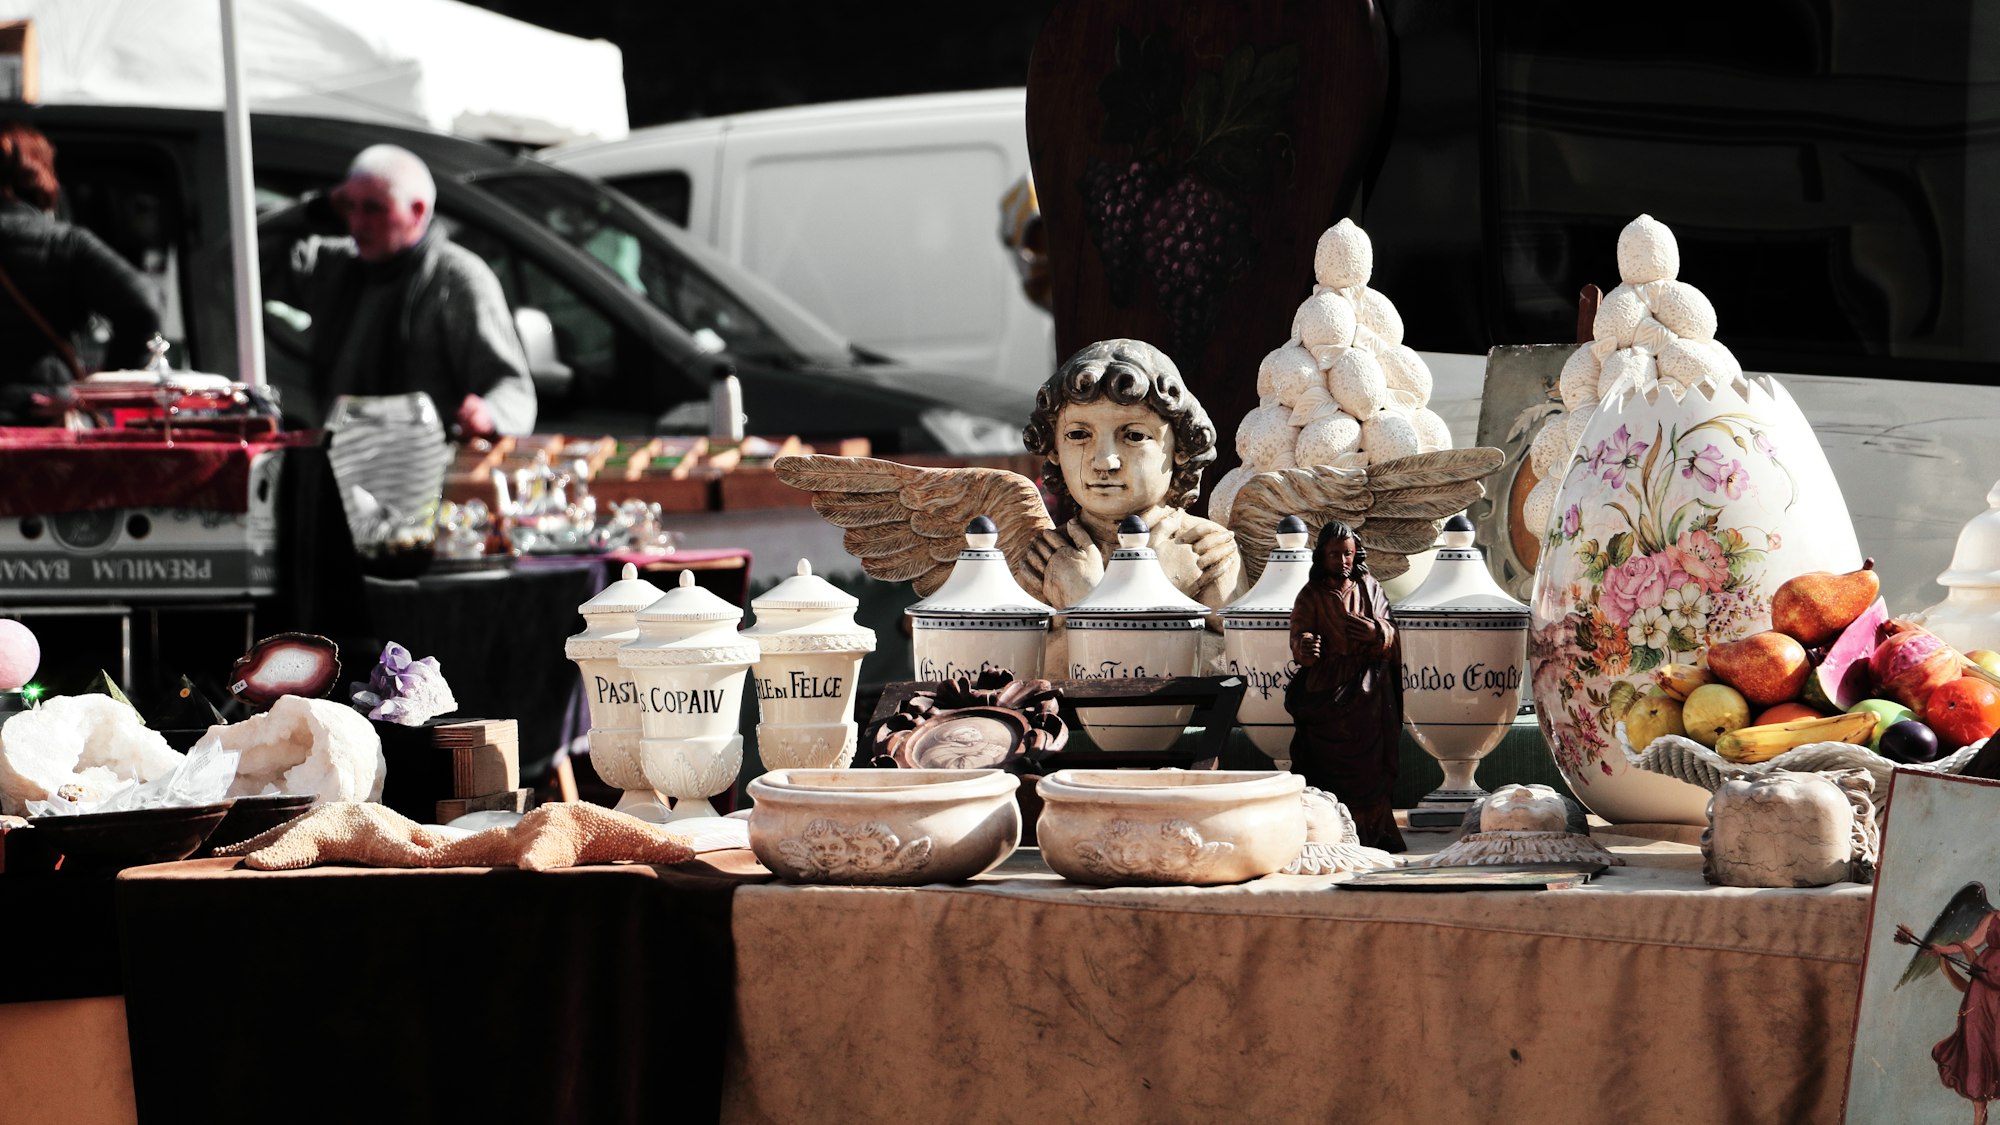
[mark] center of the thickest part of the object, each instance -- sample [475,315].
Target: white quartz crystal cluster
[81,748]
[1344,390]
[1652,332]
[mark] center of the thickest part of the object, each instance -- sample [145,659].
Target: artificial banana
[1761,744]
[1678,680]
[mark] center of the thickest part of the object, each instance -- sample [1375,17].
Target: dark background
[1825,164]
[699,60]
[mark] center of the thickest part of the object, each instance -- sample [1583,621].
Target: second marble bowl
[883,827]
[1169,827]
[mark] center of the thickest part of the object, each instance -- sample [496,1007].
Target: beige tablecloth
[1647,996]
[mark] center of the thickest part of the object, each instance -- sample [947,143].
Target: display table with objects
[1646,995]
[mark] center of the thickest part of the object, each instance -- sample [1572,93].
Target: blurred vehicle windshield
[745,319]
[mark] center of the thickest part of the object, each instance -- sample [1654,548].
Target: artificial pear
[1814,607]
[1769,668]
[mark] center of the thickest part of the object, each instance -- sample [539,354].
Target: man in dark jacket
[402,308]
[56,276]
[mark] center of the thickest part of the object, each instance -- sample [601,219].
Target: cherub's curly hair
[1126,372]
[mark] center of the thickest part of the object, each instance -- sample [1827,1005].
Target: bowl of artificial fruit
[1836,682]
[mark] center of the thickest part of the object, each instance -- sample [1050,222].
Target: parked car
[626,320]
[880,216]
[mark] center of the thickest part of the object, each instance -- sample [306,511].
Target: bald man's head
[387,200]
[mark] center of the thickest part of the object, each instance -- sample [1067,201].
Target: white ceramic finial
[805,567]
[687,578]
[630,571]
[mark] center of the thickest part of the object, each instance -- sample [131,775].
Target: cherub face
[1524,808]
[1116,460]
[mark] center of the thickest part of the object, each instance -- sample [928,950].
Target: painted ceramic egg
[1674,523]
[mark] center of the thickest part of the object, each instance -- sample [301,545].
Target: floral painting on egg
[1658,567]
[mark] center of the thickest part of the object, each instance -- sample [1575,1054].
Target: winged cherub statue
[1122,435]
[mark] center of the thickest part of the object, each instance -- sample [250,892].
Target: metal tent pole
[242,210]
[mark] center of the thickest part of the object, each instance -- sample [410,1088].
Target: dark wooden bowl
[108,842]
[251,816]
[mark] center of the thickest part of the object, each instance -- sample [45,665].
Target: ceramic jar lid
[688,625]
[1976,560]
[1134,585]
[806,613]
[981,584]
[611,618]
[1459,581]
[1285,574]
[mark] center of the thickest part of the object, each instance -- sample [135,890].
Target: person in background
[1022,232]
[402,308]
[53,276]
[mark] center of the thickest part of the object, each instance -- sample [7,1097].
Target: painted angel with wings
[1122,436]
[1964,944]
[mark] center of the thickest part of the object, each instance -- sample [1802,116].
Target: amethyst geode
[403,691]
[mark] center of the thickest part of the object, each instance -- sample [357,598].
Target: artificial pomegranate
[1910,662]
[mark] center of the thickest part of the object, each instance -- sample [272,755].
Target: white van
[880,216]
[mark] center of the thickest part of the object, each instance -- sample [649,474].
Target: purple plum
[1909,741]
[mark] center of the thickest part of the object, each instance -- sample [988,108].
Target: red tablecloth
[46,471]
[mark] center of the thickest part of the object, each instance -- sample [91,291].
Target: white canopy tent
[439,64]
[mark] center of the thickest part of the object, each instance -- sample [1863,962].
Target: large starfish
[552,836]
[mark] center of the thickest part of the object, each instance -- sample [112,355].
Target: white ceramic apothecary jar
[1969,617]
[1465,657]
[811,656]
[980,619]
[1135,624]
[688,665]
[1257,641]
[610,622]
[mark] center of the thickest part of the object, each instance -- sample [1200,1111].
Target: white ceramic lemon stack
[811,656]
[1343,390]
[688,665]
[1135,624]
[610,622]
[1257,642]
[980,619]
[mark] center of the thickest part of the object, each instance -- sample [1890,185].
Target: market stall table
[1648,996]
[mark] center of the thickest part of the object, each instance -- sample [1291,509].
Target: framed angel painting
[1927,1036]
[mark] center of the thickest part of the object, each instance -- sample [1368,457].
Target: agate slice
[282,664]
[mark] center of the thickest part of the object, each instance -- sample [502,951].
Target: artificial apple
[1769,668]
[1963,711]
[1785,713]
[1713,710]
[1909,741]
[1887,713]
[1814,607]
[1910,662]
[1652,715]
[1986,658]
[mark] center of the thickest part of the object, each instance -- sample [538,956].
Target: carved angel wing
[908,524]
[1395,507]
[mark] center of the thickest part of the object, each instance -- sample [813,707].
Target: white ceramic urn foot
[687,808]
[644,804]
